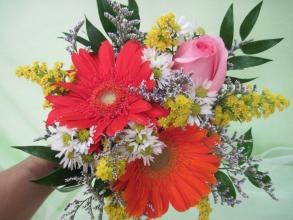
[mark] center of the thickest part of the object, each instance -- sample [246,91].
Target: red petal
[157,111]
[139,118]
[140,106]
[106,61]
[117,125]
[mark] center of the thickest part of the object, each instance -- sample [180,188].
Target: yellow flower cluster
[115,211]
[164,34]
[180,109]
[44,77]
[245,107]
[204,209]
[106,167]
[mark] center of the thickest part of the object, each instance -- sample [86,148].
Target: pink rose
[205,57]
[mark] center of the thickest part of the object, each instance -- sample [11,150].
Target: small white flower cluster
[203,99]
[72,146]
[140,143]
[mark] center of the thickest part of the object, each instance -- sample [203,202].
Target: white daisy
[83,140]
[186,28]
[141,143]
[200,92]
[199,110]
[160,62]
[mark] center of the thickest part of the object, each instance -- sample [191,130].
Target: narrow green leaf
[58,177]
[254,180]
[94,35]
[249,21]
[43,152]
[241,80]
[132,6]
[66,189]
[80,40]
[242,62]
[103,6]
[227,28]
[226,183]
[255,47]
[247,145]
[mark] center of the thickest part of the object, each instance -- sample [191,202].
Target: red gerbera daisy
[100,96]
[181,175]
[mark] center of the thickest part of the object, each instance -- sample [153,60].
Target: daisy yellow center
[83,135]
[201,92]
[66,139]
[108,98]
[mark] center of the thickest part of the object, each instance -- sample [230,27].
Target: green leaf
[57,178]
[234,79]
[249,21]
[242,62]
[43,152]
[103,6]
[66,189]
[226,183]
[247,145]
[80,40]
[227,28]
[94,35]
[255,47]
[132,6]
[256,182]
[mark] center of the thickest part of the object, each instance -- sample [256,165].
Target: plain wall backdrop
[29,31]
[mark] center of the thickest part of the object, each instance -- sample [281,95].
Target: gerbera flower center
[109,98]
[161,161]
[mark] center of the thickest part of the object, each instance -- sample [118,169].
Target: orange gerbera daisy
[181,175]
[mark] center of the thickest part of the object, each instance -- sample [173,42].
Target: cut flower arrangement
[141,120]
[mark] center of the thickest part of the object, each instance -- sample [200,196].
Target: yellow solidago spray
[204,209]
[164,34]
[40,74]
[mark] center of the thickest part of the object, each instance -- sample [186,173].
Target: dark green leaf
[249,21]
[43,152]
[234,79]
[242,62]
[94,35]
[225,183]
[103,7]
[132,6]
[58,177]
[254,180]
[227,28]
[255,47]
[247,145]
[68,188]
[80,40]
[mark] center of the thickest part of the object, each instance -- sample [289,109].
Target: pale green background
[28,31]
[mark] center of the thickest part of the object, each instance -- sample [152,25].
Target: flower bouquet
[141,120]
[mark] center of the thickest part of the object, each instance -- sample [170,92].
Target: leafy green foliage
[242,62]
[226,183]
[255,47]
[101,187]
[94,35]
[66,189]
[58,177]
[227,28]
[254,180]
[247,145]
[241,80]
[132,6]
[103,6]
[249,21]
[43,152]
